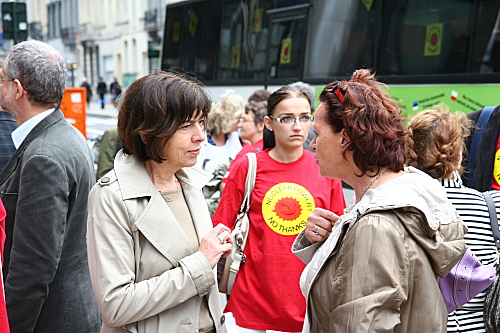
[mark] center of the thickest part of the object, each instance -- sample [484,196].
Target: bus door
[286,42]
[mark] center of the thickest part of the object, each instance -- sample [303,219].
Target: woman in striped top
[435,146]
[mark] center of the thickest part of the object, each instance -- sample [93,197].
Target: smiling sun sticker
[286,207]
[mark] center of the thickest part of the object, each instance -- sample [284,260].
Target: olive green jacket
[107,151]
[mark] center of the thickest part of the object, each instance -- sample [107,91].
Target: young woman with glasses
[288,187]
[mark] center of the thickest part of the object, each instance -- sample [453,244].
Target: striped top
[472,207]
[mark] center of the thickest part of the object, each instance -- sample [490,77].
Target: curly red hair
[371,120]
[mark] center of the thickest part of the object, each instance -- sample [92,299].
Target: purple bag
[467,279]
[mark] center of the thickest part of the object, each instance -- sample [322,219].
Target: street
[99,120]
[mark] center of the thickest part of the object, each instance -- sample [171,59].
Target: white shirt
[212,156]
[20,133]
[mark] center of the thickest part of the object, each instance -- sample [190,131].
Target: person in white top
[222,141]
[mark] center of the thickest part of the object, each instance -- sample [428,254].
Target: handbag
[239,234]
[466,279]
[491,308]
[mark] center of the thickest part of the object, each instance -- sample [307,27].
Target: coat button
[105,180]
[222,319]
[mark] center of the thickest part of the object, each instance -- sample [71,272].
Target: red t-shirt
[266,295]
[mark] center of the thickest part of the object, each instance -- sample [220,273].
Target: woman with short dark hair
[152,250]
[375,268]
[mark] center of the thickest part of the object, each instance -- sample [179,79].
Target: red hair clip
[336,89]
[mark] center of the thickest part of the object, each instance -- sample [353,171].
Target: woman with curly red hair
[375,268]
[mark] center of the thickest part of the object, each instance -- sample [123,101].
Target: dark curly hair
[436,141]
[371,120]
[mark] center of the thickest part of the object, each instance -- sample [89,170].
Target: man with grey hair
[45,187]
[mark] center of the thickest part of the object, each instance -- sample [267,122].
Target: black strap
[493,218]
[478,133]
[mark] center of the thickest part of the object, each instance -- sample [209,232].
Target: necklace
[372,182]
[172,195]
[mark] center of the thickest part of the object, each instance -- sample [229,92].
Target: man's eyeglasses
[7,79]
[336,90]
[243,120]
[291,120]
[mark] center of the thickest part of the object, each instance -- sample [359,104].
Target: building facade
[100,38]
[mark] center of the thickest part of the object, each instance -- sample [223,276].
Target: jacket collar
[135,181]
[157,222]
[414,189]
[4,115]
[41,127]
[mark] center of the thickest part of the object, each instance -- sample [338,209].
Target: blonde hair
[225,113]
[436,141]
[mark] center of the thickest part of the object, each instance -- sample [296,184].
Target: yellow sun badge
[286,207]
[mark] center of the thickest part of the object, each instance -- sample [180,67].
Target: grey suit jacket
[45,189]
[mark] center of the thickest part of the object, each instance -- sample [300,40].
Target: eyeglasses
[243,120]
[336,90]
[291,120]
[7,79]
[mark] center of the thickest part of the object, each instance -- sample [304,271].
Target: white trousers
[233,328]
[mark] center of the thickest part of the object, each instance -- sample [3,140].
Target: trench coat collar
[41,127]
[157,222]
[135,181]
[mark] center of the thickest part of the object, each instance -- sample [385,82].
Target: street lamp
[72,68]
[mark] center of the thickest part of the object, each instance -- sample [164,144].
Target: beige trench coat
[381,275]
[144,274]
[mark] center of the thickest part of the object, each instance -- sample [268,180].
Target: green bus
[426,51]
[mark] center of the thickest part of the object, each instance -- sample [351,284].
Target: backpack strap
[493,220]
[478,133]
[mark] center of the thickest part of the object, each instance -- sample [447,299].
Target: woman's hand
[217,243]
[320,224]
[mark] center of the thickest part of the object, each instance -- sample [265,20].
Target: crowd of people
[138,250]
[115,90]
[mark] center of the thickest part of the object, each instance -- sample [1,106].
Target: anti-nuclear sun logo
[286,207]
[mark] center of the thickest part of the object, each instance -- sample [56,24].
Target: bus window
[191,38]
[243,40]
[288,31]
[341,38]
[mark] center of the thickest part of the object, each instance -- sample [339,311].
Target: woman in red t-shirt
[266,294]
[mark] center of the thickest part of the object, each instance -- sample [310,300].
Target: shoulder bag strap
[493,221]
[242,226]
[245,205]
[478,133]
[250,181]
